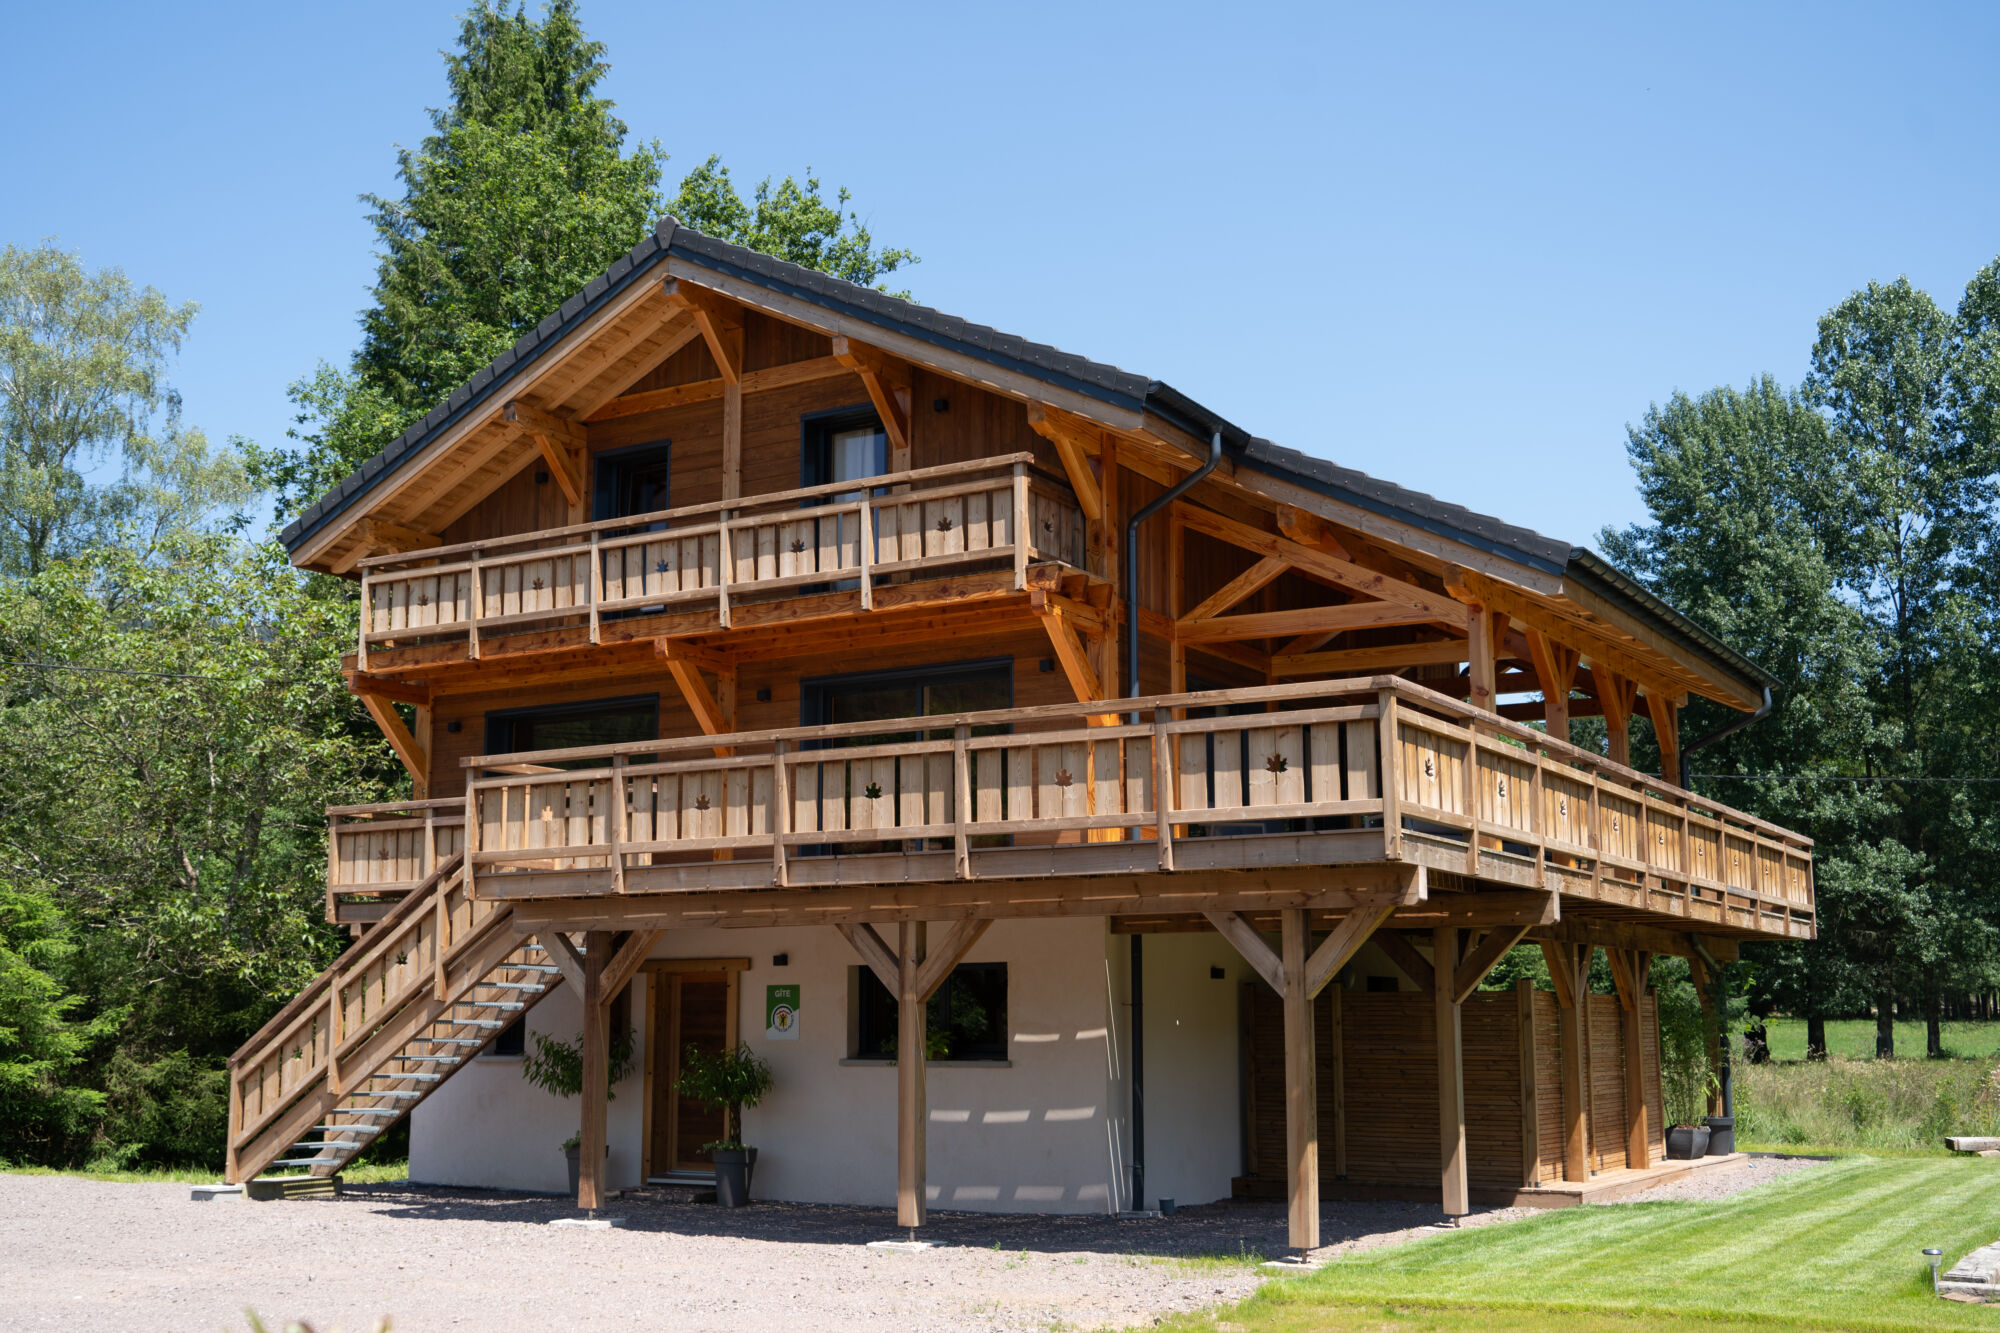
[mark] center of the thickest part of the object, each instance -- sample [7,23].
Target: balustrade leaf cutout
[944,525]
[401,959]
[1277,763]
[798,545]
[659,566]
[1430,769]
[538,583]
[1562,805]
[423,599]
[298,1053]
[548,813]
[381,853]
[1500,788]
[701,801]
[1063,778]
[1614,823]
[873,791]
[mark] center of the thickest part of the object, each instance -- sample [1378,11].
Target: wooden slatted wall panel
[1656,1111]
[1548,1088]
[1491,1028]
[1607,1083]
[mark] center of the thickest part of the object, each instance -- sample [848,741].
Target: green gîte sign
[781,1013]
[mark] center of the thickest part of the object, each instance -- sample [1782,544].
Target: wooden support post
[732,440]
[911,1041]
[1481,663]
[1337,1071]
[1301,1088]
[1630,967]
[1455,1188]
[1617,694]
[1531,1123]
[1666,717]
[1555,667]
[596,1071]
[1570,983]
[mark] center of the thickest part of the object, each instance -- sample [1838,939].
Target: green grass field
[1855,1038]
[1837,1247]
[364,1173]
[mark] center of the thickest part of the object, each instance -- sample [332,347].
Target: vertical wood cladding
[1387,1044]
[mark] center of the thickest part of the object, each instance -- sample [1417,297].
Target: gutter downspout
[1179,489]
[1725,730]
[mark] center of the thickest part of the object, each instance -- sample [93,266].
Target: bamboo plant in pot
[556,1066]
[727,1081]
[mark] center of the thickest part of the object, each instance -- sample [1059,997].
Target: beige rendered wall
[1034,1136]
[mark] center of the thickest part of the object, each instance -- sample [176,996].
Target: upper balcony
[1320,774]
[903,539]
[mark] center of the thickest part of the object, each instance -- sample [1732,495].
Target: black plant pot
[1685,1143]
[734,1168]
[1721,1135]
[574,1156]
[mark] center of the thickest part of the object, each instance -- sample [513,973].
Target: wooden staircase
[395,1016]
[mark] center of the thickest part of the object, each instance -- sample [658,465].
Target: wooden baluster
[1021,521]
[867,514]
[441,917]
[614,823]
[596,585]
[333,1037]
[725,557]
[961,815]
[1472,797]
[1596,840]
[1389,744]
[367,621]
[781,806]
[1163,786]
[476,609]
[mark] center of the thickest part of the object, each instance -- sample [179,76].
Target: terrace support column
[1457,1197]
[596,1072]
[1571,979]
[912,1033]
[1631,967]
[1301,1086]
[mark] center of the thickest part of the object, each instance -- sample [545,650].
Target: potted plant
[727,1081]
[556,1066]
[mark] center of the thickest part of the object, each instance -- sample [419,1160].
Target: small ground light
[1934,1255]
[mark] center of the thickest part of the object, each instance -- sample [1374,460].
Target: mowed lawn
[1837,1247]
[1855,1038]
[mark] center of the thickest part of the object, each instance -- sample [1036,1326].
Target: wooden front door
[689,1009]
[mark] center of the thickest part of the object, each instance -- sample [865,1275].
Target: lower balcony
[1322,774]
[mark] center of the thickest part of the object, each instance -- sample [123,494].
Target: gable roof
[1107,384]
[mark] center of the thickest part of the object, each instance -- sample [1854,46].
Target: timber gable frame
[1326,737]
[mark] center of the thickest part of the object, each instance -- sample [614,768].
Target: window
[562,726]
[631,481]
[513,1039]
[845,445]
[968,1015]
[933,691]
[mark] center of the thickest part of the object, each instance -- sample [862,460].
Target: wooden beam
[1309,529]
[395,691]
[1667,732]
[596,1072]
[887,380]
[948,953]
[625,964]
[1571,982]
[1236,928]
[564,955]
[1482,959]
[1638,1139]
[704,391]
[1481,667]
[1330,568]
[1277,624]
[561,443]
[385,535]
[1407,960]
[1246,584]
[1301,1089]
[874,951]
[629,359]
[1342,944]
[1075,660]
[401,741]
[1363,661]
[709,711]
[1454,1186]
[1617,694]
[1073,447]
[720,321]
[912,1052]
[1482,910]
[1555,667]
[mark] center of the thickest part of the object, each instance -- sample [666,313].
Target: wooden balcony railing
[377,853]
[1038,792]
[991,510]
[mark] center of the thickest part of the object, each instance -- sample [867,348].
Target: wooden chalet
[761,630]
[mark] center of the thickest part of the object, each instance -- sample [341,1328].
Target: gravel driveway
[81,1254]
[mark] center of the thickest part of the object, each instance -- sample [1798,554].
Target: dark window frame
[606,466]
[499,719]
[876,1021]
[816,432]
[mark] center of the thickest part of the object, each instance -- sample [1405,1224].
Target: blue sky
[1459,248]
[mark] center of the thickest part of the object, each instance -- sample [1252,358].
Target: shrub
[728,1082]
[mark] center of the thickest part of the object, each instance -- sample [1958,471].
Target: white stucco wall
[1040,1135]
